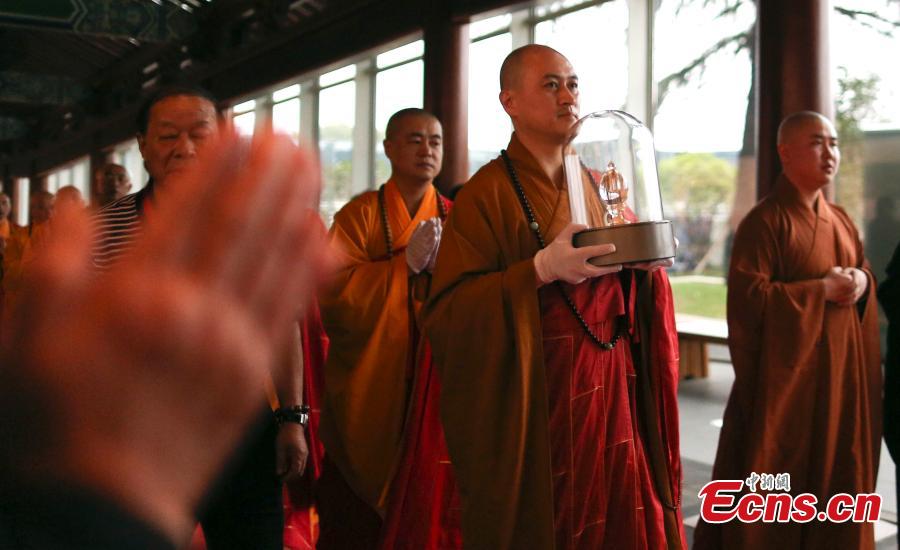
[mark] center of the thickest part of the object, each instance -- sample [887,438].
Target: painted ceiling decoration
[69,65]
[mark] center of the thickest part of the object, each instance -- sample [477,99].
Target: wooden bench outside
[694,333]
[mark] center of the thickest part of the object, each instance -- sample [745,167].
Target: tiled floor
[701,403]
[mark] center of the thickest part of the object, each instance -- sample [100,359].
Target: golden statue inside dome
[613,193]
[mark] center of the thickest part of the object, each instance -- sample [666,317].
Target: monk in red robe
[386,478]
[803,335]
[560,437]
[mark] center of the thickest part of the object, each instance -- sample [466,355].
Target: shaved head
[69,194]
[40,206]
[414,144]
[788,128]
[511,70]
[390,132]
[809,151]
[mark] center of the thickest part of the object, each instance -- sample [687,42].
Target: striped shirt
[116,226]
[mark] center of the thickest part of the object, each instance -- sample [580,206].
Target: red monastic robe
[555,442]
[423,507]
[22,247]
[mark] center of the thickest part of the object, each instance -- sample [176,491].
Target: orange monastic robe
[555,442]
[807,393]
[21,249]
[5,227]
[374,383]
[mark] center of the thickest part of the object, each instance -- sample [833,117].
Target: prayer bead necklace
[535,227]
[388,236]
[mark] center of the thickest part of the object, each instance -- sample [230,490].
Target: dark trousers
[244,508]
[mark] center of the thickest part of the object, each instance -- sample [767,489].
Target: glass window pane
[344,73]
[707,176]
[395,89]
[63,178]
[81,177]
[244,107]
[53,182]
[489,126]
[286,93]
[245,123]
[489,25]
[867,108]
[580,36]
[866,85]
[403,53]
[286,118]
[541,11]
[337,116]
[129,156]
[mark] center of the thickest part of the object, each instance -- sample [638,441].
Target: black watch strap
[298,414]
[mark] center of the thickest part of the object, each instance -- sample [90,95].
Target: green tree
[696,187]
[696,183]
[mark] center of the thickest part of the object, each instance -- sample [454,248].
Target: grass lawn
[705,298]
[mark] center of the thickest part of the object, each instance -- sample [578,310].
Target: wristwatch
[298,414]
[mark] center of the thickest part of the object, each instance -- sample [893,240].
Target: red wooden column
[447,89]
[793,73]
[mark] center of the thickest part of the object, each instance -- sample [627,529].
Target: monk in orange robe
[21,247]
[5,224]
[378,382]
[558,441]
[803,335]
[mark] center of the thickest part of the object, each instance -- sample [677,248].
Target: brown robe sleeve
[484,325]
[764,310]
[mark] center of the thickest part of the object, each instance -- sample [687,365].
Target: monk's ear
[784,154]
[388,148]
[507,99]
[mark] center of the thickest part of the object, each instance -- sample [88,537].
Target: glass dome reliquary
[615,152]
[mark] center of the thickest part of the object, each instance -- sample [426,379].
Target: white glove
[422,244]
[437,245]
[562,261]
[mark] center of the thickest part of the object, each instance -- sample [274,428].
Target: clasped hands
[421,252]
[845,286]
[561,260]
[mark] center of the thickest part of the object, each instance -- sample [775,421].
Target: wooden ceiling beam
[238,48]
[142,20]
[40,89]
